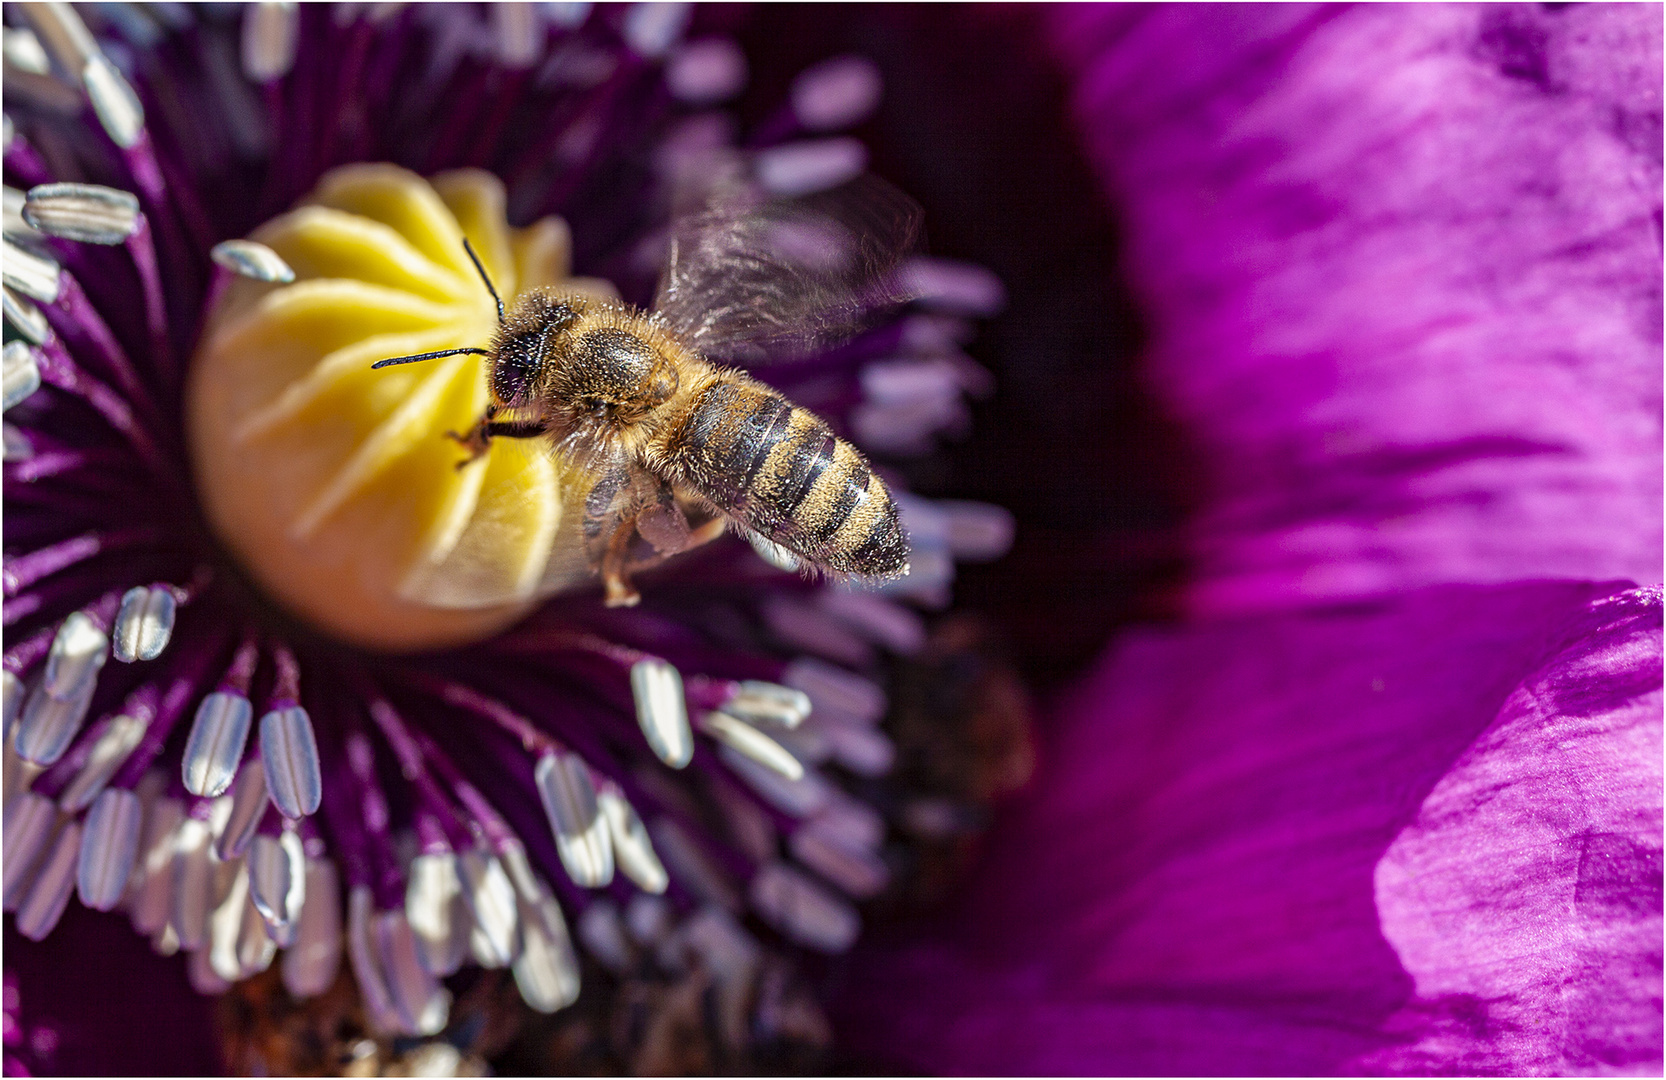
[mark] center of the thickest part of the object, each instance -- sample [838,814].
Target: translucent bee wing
[750,277]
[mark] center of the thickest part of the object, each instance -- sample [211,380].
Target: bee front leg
[480,436]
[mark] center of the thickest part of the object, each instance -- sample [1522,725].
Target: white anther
[249,259]
[12,223]
[772,553]
[433,905]
[108,754]
[651,29]
[804,911]
[151,904]
[271,32]
[109,847]
[977,531]
[662,711]
[114,102]
[77,653]
[800,797]
[289,754]
[859,872]
[767,702]
[879,620]
[581,837]
[248,806]
[837,694]
[44,905]
[193,883]
[693,869]
[49,723]
[567,14]
[836,93]
[22,376]
[517,34]
[24,316]
[144,623]
[309,965]
[277,881]
[18,448]
[546,971]
[747,740]
[225,923]
[959,288]
[215,746]
[88,213]
[803,168]
[602,931]
[367,972]
[24,52]
[35,276]
[706,72]
[491,900]
[632,849]
[422,1003]
[28,827]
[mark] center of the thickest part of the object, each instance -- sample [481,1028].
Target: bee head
[613,376]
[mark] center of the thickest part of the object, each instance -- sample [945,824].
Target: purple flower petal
[1402,267]
[1413,836]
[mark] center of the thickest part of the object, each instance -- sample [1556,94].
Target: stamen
[144,623]
[27,829]
[44,906]
[765,702]
[836,93]
[650,29]
[18,445]
[879,620]
[310,964]
[836,693]
[289,754]
[278,883]
[977,531]
[958,288]
[35,276]
[662,711]
[23,51]
[119,738]
[151,905]
[361,954]
[746,740]
[517,35]
[55,709]
[421,1002]
[803,625]
[255,261]
[691,866]
[706,72]
[255,948]
[602,930]
[648,918]
[491,900]
[225,925]
[802,910]
[434,907]
[271,32]
[22,376]
[248,804]
[632,848]
[804,168]
[11,695]
[857,871]
[114,102]
[799,797]
[193,873]
[547,971]
[581,836]
[25,317]
[87,213]
[108,848]
[215,746]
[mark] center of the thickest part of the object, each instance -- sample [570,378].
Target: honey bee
[630,401]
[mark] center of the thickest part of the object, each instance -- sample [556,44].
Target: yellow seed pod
[336,486]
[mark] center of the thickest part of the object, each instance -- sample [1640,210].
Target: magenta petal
[1206,879]
[1402,269]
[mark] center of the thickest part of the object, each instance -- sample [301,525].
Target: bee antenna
[391,361]
[476,260]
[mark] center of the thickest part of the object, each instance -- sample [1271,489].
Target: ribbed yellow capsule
[335,486]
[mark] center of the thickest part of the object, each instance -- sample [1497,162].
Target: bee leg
[615,572]
[480,436]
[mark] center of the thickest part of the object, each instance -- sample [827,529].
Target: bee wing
[751,277]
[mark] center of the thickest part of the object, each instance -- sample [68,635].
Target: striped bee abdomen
[778,470]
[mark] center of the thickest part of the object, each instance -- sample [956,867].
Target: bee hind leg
[616,569]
